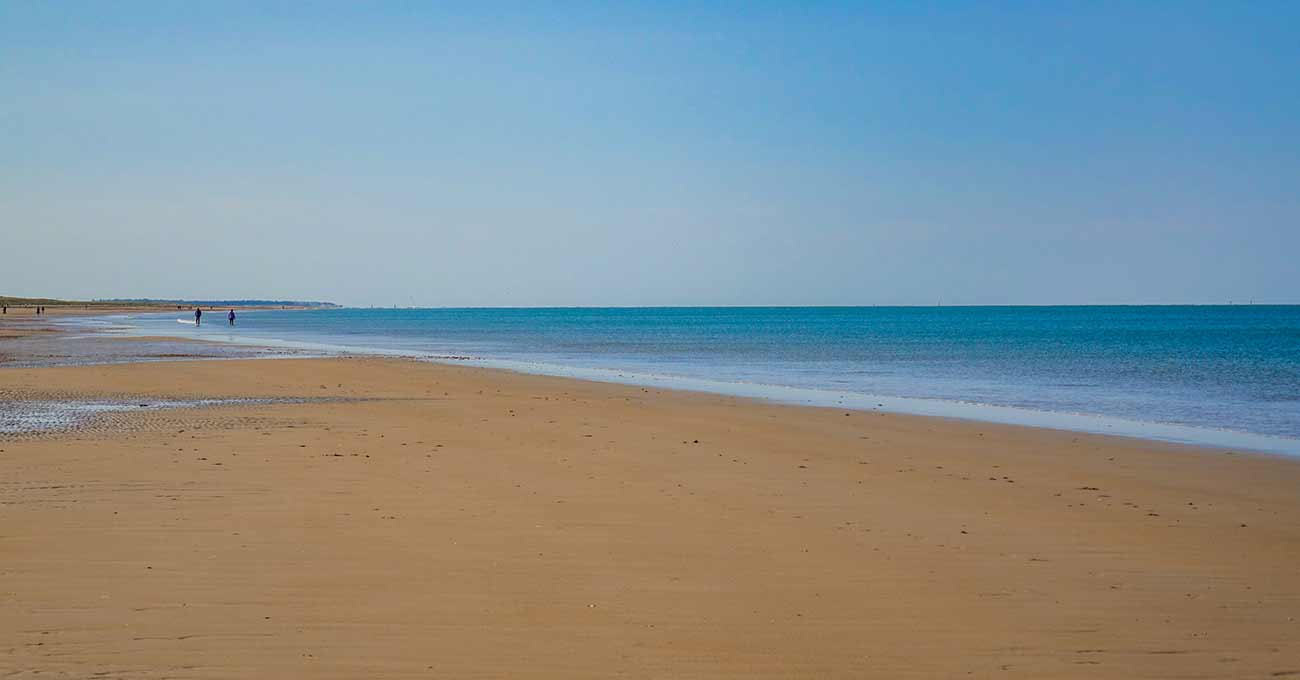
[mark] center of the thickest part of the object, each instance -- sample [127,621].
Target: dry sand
[467,523]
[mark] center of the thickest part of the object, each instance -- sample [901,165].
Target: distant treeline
[16,301]
[219,303]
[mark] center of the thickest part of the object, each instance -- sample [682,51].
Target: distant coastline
[218,303]
[106,303]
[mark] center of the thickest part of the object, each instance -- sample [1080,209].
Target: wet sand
[29,341]
[469,523]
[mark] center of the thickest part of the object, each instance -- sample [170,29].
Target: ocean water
[1220,375]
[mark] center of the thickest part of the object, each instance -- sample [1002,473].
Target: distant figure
[231,317]
[198,316]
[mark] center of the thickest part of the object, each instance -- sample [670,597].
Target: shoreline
[977,412]
[427,517]
[672,392]
[32,342]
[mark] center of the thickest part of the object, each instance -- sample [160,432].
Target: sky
[747,153]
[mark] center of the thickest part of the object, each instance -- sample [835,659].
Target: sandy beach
[422,520]
[655,341]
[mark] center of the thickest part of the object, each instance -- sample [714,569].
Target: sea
[1222,376]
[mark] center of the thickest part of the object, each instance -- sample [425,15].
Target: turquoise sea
[1221,375]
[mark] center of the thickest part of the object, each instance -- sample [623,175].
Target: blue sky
[656,153]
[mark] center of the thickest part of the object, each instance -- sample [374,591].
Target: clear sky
[652,153]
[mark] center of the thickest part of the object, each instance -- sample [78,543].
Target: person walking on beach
[231,317]
[198,316]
